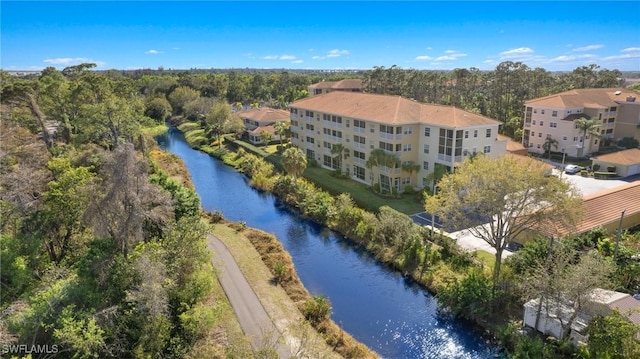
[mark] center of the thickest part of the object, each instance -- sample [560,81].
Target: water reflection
[389,313]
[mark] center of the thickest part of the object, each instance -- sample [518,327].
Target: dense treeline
[103,255]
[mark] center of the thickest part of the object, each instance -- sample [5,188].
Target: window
[446,145]
[309,113]
[406,181]
[326,144]
[533,133]
[425,165]
[466,134]
[538,145]
[488,132]
[564,138]
[540,134]
[534,122]
[427,131]
[372,129]
[553,124]
[542,112]
[612,120]
[614,108]
[487,149]
[359,139]
[310,139]
[408,130]
[548,136]
[575,139]
[310,153]
[386,129]
[426,149]
[327,161]
[406,147]
[294,110]
[359,124]
[424,181]
[535,110]
[475,133]
[358,154]
[398,147]
[541,123]
[358,172]
[386,146]
[554,113]
[309,127]
[294,123]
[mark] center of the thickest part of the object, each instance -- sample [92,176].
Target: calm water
[382,309]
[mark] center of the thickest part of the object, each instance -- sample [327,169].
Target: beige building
[348,85]
[424,134]
[554,117]
[259,120]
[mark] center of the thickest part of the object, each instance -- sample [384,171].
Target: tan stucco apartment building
[616,110]
[425,134]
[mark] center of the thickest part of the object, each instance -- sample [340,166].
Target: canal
[389,313]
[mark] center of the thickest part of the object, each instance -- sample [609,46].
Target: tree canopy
[499,199]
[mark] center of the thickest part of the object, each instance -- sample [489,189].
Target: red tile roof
[390,109]
[338,85]
[264,114]
[592,98]
[626,157]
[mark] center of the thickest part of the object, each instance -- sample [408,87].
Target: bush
[596,167]
[317,309]
[408,189]
[376,187]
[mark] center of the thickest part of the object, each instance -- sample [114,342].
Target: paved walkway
[253,318]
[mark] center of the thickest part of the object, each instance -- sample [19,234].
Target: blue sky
[557,36]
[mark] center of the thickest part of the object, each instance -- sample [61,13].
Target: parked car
[571,169]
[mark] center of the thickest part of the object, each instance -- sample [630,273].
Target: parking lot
[589,185]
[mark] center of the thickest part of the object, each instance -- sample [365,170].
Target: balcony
[388,136]
[358,161]
[358,145]
[359,130]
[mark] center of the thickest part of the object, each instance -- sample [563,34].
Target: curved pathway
[253,318]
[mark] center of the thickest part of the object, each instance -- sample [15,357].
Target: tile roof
[605,207]
[592,98]
[264,114]
[258,130]
[390,109]
[342,84]
[626,157]
[512,146]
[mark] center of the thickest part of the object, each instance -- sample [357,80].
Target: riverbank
[366,292]
[284,300]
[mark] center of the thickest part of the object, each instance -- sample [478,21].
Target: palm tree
[410,167]
[265,137]
[375,159]
[340,152]
[548,143]
[588,126]
[294,161]
[281,128]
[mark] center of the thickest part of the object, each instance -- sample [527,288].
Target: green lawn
[360,193]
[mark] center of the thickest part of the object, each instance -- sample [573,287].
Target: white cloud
[69,61]
[423,57]
[451,55]
[589,47]
[331,54]
[516,53]
[428,48]
[279,57]
[568,58]
[337,53]
[297,62]
[489,61]
[153,52]
[631,49]
[622,57]
[66,60]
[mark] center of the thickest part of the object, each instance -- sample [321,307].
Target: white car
[571,169]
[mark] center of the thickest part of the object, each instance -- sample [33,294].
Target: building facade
[348,85]
[414,133]
[262,120]
[554,117]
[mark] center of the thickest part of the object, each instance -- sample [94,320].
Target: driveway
[253,318]
[589,185]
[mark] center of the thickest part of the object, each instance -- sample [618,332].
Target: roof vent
[631,99]
[618,93]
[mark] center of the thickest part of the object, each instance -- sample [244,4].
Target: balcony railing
[388,136]
[359,129]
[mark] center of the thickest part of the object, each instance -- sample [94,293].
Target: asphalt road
[253,318]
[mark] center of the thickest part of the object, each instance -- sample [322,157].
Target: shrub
[596,167]
[408,189]
[376,187]
[317,309]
